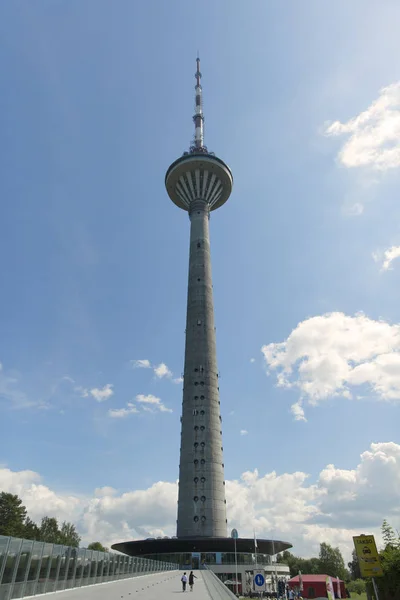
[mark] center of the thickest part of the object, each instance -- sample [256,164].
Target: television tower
[199,182]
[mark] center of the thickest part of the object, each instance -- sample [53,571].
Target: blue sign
[259,580]
[234,534]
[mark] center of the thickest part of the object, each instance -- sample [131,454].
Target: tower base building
[198,182]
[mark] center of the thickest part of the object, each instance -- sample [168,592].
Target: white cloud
[243,432]
[141,364]
[297,411]
[83,392]
[374,134]
[39,499]
[121,413]
[252,360]
[339,504]
[329,355]
[152,403]
[101,394]
[162,371]
[147,403]
[105,491]
[388,257]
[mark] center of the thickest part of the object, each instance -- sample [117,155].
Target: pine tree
[31,530]
[12,515]
[49,531]
[68,535]
[388,534]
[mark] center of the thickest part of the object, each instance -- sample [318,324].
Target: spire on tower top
[198,117]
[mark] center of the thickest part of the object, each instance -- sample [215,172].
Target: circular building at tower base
[217,554]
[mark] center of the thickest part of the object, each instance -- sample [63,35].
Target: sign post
[235,535]
[375,588]
[368,558]
[259,580]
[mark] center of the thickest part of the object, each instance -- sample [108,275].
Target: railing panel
[28,568]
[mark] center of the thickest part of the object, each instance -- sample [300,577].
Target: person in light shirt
[184,580]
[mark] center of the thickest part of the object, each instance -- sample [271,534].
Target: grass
[358,596]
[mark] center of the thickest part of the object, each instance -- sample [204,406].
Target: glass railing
[28,568]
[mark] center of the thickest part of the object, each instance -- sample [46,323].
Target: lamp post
[235,535]
[273,553]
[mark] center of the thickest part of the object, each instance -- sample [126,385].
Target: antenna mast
[198,117]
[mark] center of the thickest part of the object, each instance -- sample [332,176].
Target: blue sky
[96,102]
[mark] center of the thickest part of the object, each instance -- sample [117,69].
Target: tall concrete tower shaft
[199,183]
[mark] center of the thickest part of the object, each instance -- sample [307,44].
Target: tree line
[330,562]
[15,522]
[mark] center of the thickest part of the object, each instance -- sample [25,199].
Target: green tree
[49,531]
[68,536]
[311,566]
[389,584]
[31,530]
[285,557]
[331,562]
[97,546]
[388,534]
[354,566]
[12,515]
[357,586]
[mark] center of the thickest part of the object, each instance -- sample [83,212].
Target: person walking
[184,582]
[192,577]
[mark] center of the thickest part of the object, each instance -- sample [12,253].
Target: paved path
[160,586]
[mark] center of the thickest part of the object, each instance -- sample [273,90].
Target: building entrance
[195,560]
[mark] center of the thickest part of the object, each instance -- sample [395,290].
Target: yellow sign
[368,557]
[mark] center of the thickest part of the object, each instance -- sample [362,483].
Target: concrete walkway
[159,586]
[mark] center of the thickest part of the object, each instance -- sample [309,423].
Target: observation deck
[199,175]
